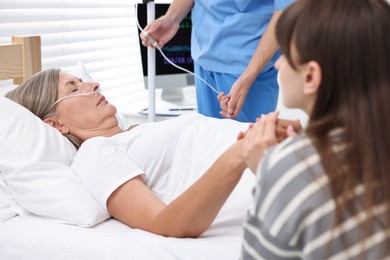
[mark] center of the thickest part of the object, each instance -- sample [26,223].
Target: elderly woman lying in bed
[126,170]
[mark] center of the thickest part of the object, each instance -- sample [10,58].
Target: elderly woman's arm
[192,212]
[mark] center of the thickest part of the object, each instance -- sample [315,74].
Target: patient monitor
[175,85]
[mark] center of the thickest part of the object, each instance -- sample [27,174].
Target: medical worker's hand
[161,30]
[237,96]
[231,103]
[260,136]
[223,102]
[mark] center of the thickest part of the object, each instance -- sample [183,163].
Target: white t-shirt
[105,163]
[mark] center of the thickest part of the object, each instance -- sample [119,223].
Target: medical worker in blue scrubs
[234,49]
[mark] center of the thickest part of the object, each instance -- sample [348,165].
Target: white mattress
[40,239]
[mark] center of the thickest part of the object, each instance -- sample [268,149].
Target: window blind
[100,33]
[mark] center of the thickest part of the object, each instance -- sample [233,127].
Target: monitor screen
[178,50]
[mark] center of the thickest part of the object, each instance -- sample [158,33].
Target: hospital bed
[46,214]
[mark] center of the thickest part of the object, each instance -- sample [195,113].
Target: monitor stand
[172,94]
[174,101]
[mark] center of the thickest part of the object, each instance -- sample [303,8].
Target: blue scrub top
[225,33]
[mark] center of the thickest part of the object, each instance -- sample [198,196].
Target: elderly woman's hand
[286,128]
[267,131]
[257,138]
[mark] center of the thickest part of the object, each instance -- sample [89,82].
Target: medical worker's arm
[164,28]
[264,52]
[190,214]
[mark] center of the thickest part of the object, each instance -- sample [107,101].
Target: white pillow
[34,164]
[80,71]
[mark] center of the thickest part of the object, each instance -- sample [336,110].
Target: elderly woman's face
[83,112]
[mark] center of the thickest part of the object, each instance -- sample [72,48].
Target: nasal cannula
[75,95]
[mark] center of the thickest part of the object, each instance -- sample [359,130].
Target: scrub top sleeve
[102,168]
[282,4]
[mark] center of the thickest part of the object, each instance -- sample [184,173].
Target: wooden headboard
[21,58]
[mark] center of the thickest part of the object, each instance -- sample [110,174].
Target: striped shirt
[293,215]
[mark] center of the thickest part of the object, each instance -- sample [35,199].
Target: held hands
[286,128]
[266,132]
[161,30]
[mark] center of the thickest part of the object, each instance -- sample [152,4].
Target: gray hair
[38,93]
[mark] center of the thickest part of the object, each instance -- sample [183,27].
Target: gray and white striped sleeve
[291,185]
[293,215]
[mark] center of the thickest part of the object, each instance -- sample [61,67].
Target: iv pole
[151,65]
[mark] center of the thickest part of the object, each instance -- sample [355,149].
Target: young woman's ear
[312,78]
[54,122]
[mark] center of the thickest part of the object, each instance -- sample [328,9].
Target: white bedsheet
[37,238]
